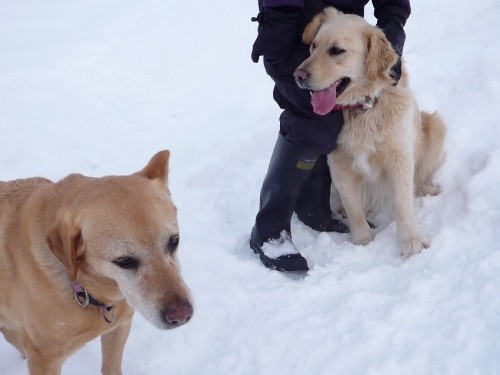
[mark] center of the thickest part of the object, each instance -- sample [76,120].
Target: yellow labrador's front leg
[40,363]
[112,346]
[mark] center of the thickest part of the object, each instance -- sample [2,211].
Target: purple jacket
[383,8]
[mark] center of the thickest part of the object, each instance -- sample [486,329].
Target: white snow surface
[98,87]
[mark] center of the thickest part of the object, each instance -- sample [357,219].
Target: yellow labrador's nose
[177,313]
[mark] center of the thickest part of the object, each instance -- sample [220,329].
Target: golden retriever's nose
[301,75]
[177,313]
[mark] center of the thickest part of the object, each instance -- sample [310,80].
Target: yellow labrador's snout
[177,313]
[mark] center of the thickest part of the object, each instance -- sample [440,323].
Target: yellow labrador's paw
[414,246]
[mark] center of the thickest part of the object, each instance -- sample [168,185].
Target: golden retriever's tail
[430,153]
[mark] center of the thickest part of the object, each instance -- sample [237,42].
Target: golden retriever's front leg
[112,346]
[348,184]
[401,177]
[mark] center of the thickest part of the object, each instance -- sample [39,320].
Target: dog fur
[387,151]
[115,236]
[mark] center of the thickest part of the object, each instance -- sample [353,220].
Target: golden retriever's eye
[173,243]
[313,46]
[335,51]
[127,263]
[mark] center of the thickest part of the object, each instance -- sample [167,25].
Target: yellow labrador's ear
[312,28]
[380,57]
[157,168]
[64,240]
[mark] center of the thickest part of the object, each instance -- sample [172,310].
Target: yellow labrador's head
[349,60]
[118,237]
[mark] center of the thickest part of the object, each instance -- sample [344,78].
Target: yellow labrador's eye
[173,243]
[127,263]
[313,46]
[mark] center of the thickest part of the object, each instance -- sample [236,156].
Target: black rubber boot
[288,170]
[313,204]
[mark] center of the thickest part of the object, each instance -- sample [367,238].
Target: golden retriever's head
[350,60]
[118,237]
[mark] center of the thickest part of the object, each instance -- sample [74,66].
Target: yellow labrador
[77,257]
[388,150]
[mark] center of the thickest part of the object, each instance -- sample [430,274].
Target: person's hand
[278,28]
[395,34]
[396,72]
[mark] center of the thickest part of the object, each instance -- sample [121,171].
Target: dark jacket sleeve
[278,31]
[283,3]
[399,9]
[391,17]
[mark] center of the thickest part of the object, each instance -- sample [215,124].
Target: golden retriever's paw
[414,246]
[428,190]
[362,238]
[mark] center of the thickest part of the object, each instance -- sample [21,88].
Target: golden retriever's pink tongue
[323,101]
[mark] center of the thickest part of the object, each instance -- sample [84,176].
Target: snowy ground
[98,87]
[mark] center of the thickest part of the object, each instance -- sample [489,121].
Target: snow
[98,87]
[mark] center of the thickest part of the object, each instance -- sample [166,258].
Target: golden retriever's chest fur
[369,136]
[359,142]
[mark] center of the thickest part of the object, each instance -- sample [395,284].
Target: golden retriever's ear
[312,27]
[380,57]
[319,19]
[157,168]
[64,239]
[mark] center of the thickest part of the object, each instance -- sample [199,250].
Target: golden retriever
[388,150]
[77,257]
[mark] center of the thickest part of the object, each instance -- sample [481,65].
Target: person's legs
[313,205]
[288,169]
[316,133]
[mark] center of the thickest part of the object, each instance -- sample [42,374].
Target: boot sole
[293,263]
